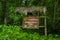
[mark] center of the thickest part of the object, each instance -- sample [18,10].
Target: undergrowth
[17,33]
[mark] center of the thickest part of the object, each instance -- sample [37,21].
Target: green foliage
[16,33]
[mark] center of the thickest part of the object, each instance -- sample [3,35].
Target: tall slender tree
[4,10]
[55,9]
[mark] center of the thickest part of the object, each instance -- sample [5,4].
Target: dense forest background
[9,16]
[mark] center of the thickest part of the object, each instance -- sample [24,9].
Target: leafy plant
[16,33]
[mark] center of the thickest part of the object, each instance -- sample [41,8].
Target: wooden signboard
[30,22]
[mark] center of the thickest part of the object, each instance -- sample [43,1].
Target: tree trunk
[56,1]
[5,20]
[4,11]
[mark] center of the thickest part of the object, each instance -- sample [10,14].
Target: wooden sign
[31,22]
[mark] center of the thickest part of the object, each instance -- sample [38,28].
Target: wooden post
[45,21]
